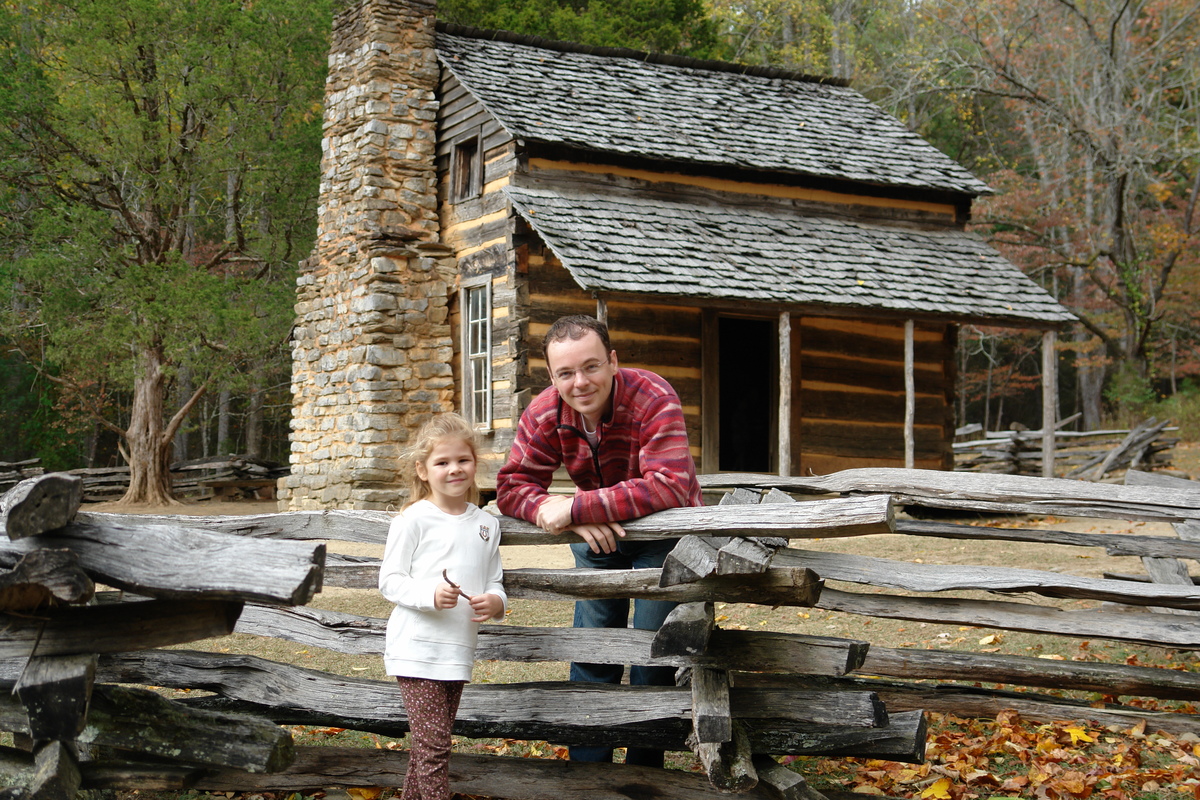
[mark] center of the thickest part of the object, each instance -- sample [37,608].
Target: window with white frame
[477,357]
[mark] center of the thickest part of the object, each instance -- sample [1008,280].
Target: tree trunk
[149,451]
[223,409]
[254,413]
[841,58]
[185,391]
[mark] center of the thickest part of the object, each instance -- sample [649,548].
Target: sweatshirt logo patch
[484,532]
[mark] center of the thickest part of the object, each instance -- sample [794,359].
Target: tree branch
[177,419]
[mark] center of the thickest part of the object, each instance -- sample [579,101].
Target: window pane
[477,356]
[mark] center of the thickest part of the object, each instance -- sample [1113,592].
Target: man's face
[583,374]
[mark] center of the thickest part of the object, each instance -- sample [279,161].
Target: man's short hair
[575,327]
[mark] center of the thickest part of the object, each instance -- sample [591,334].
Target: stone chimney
[371,357]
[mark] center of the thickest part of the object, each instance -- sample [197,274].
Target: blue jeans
[648,615]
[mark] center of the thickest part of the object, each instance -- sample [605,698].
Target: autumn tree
[159,166]
[1101,206]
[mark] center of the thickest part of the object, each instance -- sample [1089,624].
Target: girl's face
[450,473]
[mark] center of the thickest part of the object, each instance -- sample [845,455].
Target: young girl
[441,568]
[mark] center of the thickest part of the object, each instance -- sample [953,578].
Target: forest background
[159,164]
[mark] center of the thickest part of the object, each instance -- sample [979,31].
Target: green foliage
[32,422]
[1130,394]
[159,165]
[1183,409]
[680,27]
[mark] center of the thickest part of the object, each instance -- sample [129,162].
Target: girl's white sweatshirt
[423,641]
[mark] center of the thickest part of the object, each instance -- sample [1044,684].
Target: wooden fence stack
[747,695]
[1087,455]
[13,472]
[230,477]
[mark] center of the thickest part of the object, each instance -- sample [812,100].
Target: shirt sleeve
[495,569]
[524,480]
[396,581]
[665,471]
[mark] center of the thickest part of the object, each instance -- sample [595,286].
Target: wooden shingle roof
[762,250]
[676,110]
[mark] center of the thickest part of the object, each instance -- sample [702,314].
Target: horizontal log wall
[805,199]
[851,397]
[480,230]
[849,373]
[661,338]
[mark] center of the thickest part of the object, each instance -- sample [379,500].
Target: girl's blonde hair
[442,427]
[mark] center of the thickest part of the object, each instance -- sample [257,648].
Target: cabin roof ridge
[709,115]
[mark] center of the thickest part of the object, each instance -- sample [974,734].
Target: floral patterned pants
[431,706]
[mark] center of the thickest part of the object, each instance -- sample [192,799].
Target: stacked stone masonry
[372,346]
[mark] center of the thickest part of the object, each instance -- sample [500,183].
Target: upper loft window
[466,169]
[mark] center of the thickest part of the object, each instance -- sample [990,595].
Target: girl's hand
[445,596]
[486,606]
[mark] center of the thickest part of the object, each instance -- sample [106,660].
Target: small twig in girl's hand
[454,586]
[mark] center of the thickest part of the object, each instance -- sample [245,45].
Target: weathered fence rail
[747,695]
[1089,455]
[232,476]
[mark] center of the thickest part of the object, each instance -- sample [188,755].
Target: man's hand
[554,514]
[600,536]
[486,606]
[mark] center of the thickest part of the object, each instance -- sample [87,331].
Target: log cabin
[791,258]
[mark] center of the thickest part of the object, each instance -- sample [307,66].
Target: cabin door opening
[748,384]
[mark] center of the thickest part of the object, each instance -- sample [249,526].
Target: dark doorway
[748,362]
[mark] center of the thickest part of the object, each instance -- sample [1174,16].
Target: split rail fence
[231,476]
[744,696]
[1087,455]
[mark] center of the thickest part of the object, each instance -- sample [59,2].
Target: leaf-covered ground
[966,759]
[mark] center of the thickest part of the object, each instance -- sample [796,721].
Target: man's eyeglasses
[590,370]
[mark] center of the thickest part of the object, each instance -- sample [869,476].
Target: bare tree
[1105,96]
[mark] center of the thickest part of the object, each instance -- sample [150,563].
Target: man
[620,434]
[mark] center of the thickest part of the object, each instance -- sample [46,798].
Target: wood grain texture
[143,722]
[693,558]
[783,782]
[1149,629]
[40,504]
[779,586]
[1016,494]
[965,701]
[39,577]
[711,718]
[1087,676]
[748,650]
[647,716]
[527,778]
[113,629]
[729,764]
[815,519]
[162,560]
[56,692]
[950,577]
[685,631]
[1115,544]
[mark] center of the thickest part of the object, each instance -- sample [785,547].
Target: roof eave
[824,310]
